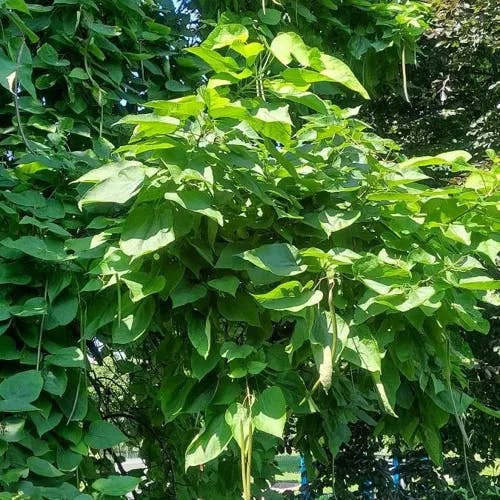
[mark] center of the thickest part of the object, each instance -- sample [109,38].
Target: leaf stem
[40,333]
[16,101]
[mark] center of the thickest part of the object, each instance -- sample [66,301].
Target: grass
[289,466]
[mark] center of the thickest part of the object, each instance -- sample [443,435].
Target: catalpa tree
[290,264]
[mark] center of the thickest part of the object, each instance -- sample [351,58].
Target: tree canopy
[190,198]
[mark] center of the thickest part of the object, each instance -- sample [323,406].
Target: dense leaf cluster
[253,256]
[292,255]
[454,90]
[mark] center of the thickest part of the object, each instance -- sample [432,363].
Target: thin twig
[16,101]
[40,333]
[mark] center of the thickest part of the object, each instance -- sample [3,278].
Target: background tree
[454,90]
[68,70]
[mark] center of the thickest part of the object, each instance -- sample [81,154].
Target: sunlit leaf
[290,296]
[209,443]
[269,411]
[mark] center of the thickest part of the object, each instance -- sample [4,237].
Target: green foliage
[116,486]
[344,254]
[454,88]
[370,36]
[64,67]
[236,251]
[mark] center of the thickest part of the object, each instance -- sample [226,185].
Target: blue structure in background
[305,491]
[396,476]
[367,493]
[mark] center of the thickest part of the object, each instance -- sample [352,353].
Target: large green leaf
[45,424]
[67,460]
[16,405]
[269,411]
[8,349]
[133,322]
[117,188]
[290,296]
[289,92]
[383,392]
[44,249]
[150,124]
[272,121]
[225,34]
[490,248]
[116,486]
[230,350]
[147,229]
[182,107]
[62,311]
[288,46]
[446,158]
[239,308]
[35,306]
[336,71]
[14,274]
[239,419]
[215,60]
[24,386]
[173,393]
[480,282]
[43,467]
[362,350]
[201,366]
[433,444]
[209,443]
[102,434]
[331,221]
[227,284]
[55,380]
[141,285]
[199,332]
[12,429]
[196,201]
[68,357]
[278,258]
[270,16]
[186,293]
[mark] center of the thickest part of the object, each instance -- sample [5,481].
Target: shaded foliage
[454,89]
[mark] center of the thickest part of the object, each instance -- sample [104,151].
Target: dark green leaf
[42,467]
[116,486]
[102,434]
[279,258]
[24,386]
[290,296]
[8,349]
[270,16]
[185,293]
[199,332]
